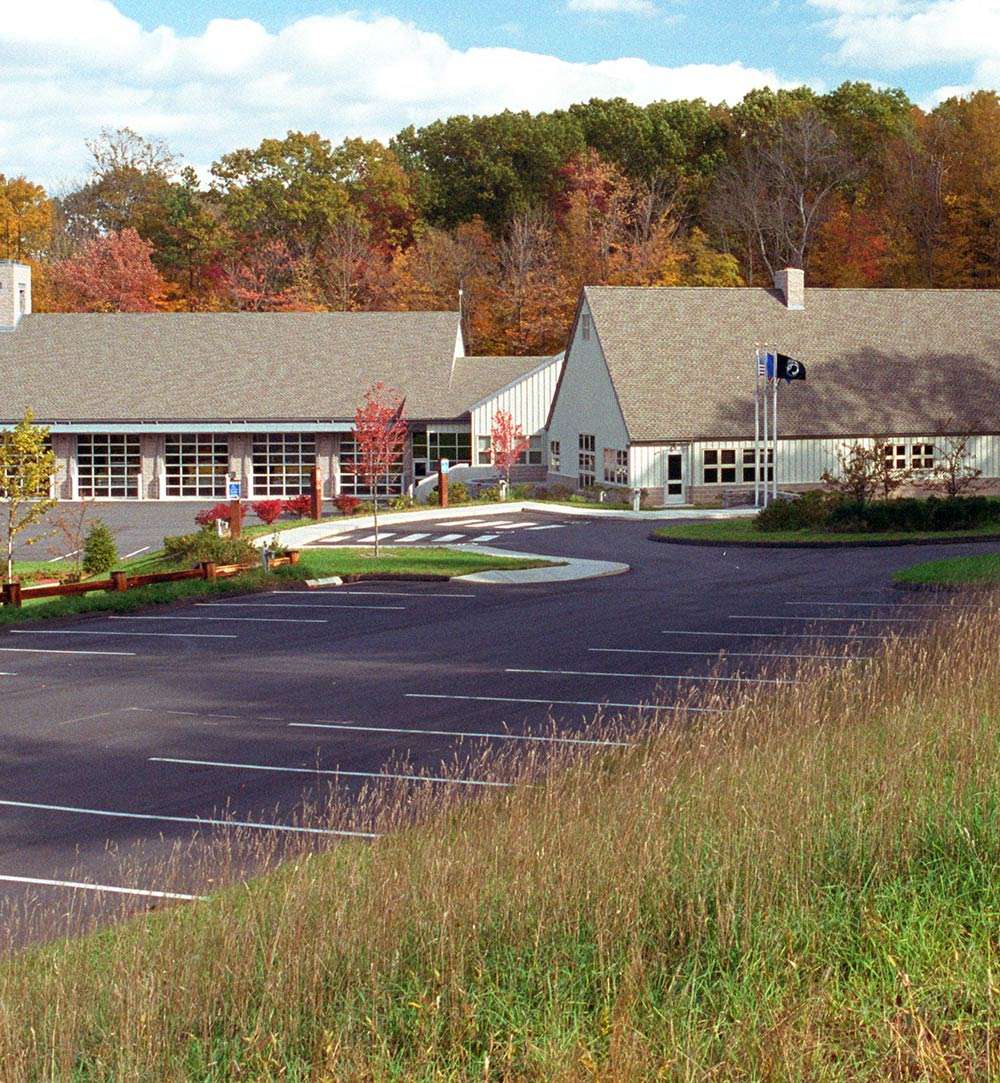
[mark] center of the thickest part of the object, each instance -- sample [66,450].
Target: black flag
[789,369]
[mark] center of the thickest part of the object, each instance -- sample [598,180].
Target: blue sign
[233,490]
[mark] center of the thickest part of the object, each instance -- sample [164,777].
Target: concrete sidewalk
[568,570]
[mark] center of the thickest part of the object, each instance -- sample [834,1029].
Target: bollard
[316,494]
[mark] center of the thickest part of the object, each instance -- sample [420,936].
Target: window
[282,463]
[197,464]
[922,456]
[352,482]
[615,466]
[585,327]
[554,456]
[749,474]
[484,451]
[587,460]
[431,446]
[895,456]
[533,456]
[23,299]
[108,465]
[720,466]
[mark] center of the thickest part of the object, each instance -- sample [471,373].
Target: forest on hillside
[859,186]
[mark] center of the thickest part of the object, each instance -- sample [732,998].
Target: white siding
[648,464]
[586,402]
[527,400]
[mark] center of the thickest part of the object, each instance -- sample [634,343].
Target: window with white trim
[719,466]
[108,465]
[922,456]
[615,466]
[554,455]
[895,456]
[532,456]
[484,451]
[351,480]
[196,464]
[749,474]
[587,460]
[430,447]
[283,462]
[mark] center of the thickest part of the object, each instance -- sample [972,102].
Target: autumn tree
[380,431]
[27,465]
[954,473]
[267,277]
[507,442]
[25,219]
[865,471]
[112,273]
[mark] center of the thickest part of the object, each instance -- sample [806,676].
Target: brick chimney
[15,293]
[790,282]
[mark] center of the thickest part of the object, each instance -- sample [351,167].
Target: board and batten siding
[586,402]
[527,400]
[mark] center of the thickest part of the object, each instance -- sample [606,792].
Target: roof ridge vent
[790,282]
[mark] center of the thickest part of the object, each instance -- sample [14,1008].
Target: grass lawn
[805,890]
[314,564]
[980,571]
[745,530]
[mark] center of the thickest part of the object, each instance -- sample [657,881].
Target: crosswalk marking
[548,526]
[449,537]
[413,537]
[370,539]
[486,537]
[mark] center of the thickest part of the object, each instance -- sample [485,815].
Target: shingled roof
[878,361]
[219,366]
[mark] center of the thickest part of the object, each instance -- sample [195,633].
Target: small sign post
[443,483]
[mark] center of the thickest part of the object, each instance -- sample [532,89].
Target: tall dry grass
[806,887]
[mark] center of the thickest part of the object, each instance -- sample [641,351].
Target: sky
[212,75]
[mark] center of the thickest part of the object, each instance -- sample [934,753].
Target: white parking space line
[77,885]
[260,620]
[135,552]
[486,537]
[891,605]
[65,556]
[558,702]
[550,526]
[649,676]
[3,674]
[412,538]
[370,538]
[766,635]
[53,650]
[201,821]
[291,605]
[98,632]
[385,593]
[827,620]
[453,733]
[722,655]
[512,526]
[322,771]
[448,538]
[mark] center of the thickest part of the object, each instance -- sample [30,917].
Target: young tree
[507,442]
[70,527]
[380,432]
[26,468]
[953,471]
[855,477]
[100,554]
[113,273]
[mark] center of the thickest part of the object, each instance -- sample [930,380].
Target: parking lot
[146,729]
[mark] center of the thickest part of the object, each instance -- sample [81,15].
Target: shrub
[99,551]
[490,492]
[911,514]
[810,511]
[519,492]
[347,504]
[402,502]
[209,515]
[268,511]
[205,544]
[458,493]
[298,506]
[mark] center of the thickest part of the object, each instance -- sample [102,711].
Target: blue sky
[211,75]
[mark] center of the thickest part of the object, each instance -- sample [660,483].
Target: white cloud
[73,66]
[899,34]
[605,7]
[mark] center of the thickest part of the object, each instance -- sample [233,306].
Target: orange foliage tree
[113,273]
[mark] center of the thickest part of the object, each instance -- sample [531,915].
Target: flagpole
[756,427]
[774,426]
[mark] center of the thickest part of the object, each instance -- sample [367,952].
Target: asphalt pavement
[133,733]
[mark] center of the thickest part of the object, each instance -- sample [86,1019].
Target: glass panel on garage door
[352,482]
[108,465]
[282,463]
[197,464]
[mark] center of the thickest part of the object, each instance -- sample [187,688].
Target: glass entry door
[673,492]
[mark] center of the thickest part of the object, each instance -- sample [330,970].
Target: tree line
[859,186]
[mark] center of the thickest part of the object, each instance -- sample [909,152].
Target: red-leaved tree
[507,442]
[113,273]
[380,432]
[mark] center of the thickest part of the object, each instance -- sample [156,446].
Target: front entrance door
[673,491]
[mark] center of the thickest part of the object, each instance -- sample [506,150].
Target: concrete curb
[712,543]
[568,570]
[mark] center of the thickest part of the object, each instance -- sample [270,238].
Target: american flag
[761,364]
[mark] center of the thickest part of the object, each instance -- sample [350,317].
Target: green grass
[314,564]
[745,530]
[805,890]
[980,571]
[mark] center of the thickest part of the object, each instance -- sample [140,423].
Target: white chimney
[790,282]
[15,293]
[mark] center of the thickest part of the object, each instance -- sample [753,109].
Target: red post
[119,581]
[442,488]
[12,594]
[316,493]
[235,518]
[208,569]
